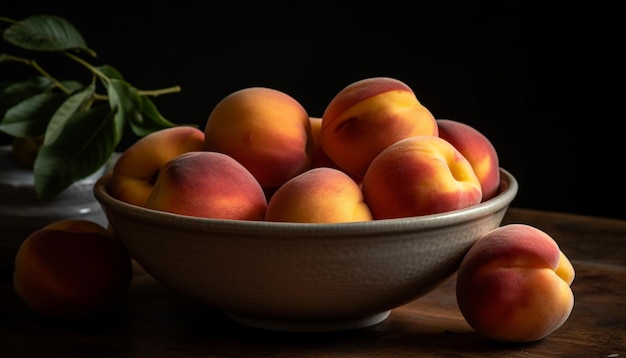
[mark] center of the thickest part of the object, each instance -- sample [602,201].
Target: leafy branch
[75,128]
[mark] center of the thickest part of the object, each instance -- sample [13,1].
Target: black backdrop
[546,85]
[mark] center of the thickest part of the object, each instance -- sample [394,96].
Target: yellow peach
[208,184]
[366,117]
[265,130]
[319,195]
[418,176]
[478,150]
[70,269]
[513,285]
[318,157]
[136,170]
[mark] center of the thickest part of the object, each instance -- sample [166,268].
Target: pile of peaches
[376,153]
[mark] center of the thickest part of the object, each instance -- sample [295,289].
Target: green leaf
[67,159]
[110,72]
[46,33]
[149,119]
[13,93]
[72,85]
[132,107]
[122,100]
[65,112]
[29,118]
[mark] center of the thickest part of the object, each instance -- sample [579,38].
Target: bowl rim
[508,191]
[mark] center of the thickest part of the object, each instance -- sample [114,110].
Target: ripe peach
[366,117]
[136,169]
[70,269]
[513,285]
[417,176]
[318,157]
[319,195]
[265,130]
[208,184]
[478,150]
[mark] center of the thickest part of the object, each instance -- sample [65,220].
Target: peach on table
[513,285]
[72,268]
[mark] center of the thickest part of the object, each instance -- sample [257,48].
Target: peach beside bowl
[303,277]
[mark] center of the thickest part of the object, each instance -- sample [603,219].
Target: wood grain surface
[153,321]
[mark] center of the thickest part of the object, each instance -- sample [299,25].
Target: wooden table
[155,322]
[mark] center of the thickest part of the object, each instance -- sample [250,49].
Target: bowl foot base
[310,326]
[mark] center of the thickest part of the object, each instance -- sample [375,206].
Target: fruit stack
[376,153]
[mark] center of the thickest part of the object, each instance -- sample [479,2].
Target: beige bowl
[303,277]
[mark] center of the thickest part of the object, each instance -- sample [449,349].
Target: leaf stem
[6,19]
[39,69]
[95,71]
[158,92]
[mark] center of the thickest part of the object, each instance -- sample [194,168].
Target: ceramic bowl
[303,277]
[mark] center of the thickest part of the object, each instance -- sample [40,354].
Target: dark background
[545,84]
